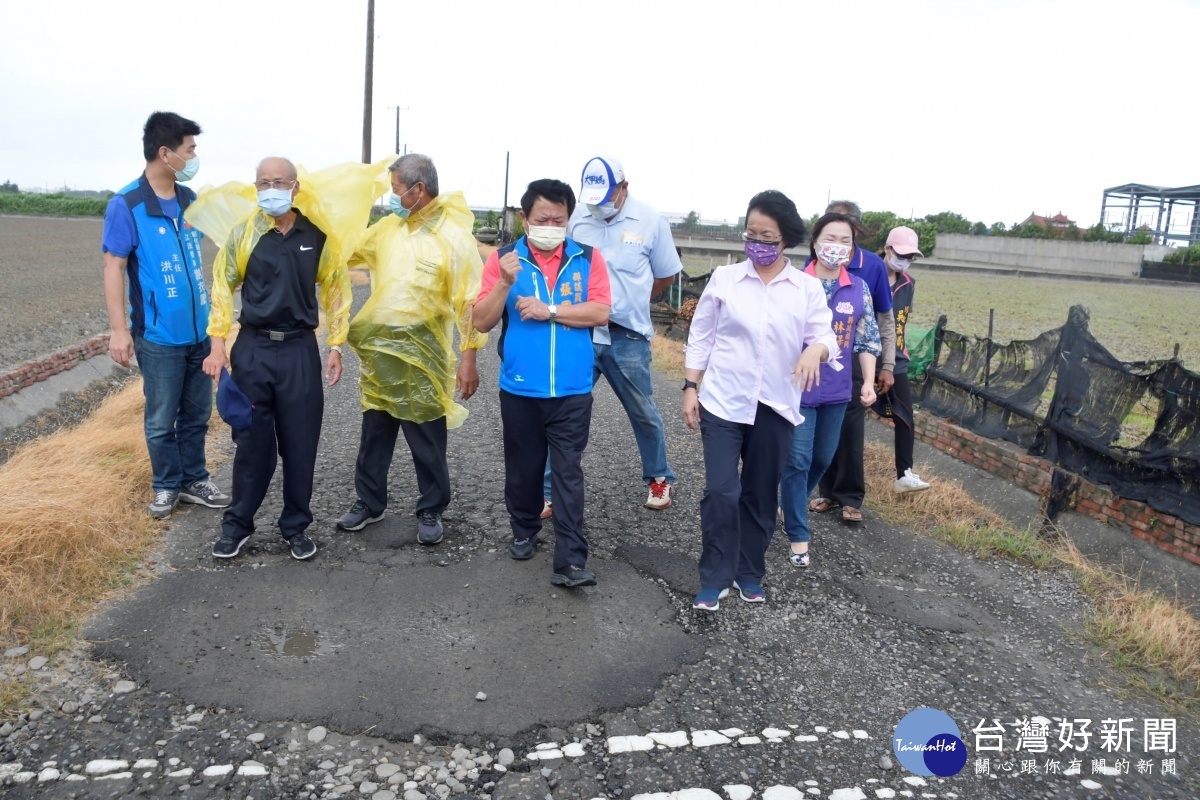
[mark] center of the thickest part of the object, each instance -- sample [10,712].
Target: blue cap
[232,403]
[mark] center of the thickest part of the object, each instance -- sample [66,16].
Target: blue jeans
[813,446]
[179,399]
[626,365]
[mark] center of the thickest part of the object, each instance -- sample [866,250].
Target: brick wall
[1007,461]
[31,372]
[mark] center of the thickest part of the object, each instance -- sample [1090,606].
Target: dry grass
[667,356]
[1156,640]
[61,545]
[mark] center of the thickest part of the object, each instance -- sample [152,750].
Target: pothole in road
[280,640]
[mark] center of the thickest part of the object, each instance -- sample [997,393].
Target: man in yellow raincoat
[425,273]
[277,256]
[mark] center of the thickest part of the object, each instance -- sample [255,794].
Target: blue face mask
[398,209]
[275,202]
[190,167]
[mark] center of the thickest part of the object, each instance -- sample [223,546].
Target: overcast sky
[991,109]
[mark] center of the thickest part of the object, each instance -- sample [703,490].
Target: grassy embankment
[1153,639]
[63,550]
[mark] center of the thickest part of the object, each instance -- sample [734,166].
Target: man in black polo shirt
[277,256]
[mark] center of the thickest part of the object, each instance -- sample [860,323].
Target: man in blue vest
[146,240]
[549,292]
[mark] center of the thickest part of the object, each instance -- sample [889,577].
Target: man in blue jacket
[550,291]
[146,240]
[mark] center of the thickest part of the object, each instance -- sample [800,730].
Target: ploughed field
[1136,320]
[51,287]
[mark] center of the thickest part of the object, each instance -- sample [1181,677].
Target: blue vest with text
[168,301]
[541,358]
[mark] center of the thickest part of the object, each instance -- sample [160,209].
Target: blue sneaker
[751,592]
[709,599]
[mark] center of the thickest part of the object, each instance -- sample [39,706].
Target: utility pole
[398,110]
[506,179]
[368,83]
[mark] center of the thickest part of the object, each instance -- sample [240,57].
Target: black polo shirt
[279,288]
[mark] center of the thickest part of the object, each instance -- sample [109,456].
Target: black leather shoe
[521,549]
[358,517]
[573,576]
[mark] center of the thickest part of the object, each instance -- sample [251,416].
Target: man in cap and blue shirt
[636,243]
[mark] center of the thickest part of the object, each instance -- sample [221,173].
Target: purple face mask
[762,255]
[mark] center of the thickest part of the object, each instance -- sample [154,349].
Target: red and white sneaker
[660,494]
[547,509]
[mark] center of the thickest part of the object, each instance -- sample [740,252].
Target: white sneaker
[911,482]
[660,494]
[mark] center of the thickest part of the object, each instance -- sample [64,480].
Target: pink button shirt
[747,336]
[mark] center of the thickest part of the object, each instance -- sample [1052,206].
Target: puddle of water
[294,643]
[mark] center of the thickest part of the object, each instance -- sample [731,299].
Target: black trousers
[283,381]
[737,512]
[845,481]
[900,399]
[376,446]
[533,428]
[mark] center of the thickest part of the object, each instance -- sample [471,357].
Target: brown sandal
[851,514]
[819,505]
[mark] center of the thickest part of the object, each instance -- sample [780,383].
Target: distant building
[1059,220]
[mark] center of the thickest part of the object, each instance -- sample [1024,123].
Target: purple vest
[847,307]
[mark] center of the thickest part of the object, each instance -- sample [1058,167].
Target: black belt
[278,336]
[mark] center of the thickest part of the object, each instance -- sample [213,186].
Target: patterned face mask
[761,254]
[834,255]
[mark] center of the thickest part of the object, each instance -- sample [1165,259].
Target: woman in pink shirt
[758,336]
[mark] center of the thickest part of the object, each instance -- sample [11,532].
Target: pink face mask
[834,255]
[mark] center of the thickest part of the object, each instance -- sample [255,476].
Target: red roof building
[1059,220]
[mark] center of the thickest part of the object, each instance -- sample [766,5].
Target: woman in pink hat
[898,254]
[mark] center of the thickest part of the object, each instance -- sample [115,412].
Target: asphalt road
[616,691]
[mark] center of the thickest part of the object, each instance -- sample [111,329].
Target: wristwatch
[689,385]
[553,312]
[336,348]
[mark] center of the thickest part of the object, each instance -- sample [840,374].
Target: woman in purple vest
[854,326]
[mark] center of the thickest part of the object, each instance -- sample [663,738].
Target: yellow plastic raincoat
[425,274]
[337,200]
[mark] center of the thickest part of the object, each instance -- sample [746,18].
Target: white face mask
[834,255]
[900,263]
[545,237]
[275,202]
[605,211]
[190,167]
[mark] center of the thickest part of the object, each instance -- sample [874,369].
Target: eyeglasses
[264,185]
[755,238]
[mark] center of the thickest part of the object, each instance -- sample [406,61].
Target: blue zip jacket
[168,302]
[546,359]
